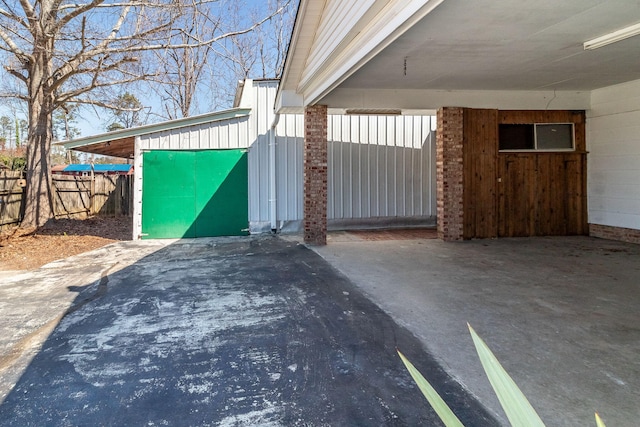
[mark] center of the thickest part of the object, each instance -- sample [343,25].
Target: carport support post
[449,173]
[315,175]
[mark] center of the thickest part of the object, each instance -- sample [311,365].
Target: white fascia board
[307,18]
[237,99]
[413,99]
[288,101]
[393,21]
[297,30]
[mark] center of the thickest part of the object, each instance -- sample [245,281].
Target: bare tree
[182,74]
[259,54]
[275,40]
[66,51]
[180,70]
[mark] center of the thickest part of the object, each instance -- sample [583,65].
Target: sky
[93,121]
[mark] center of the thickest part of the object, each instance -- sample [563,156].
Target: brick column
[449,173]
[315,175]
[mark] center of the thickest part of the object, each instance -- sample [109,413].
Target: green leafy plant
[516,406]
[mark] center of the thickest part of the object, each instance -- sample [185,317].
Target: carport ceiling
[509,45]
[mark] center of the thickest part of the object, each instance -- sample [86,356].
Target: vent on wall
[373,112]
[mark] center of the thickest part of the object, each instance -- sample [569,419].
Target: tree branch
[28,10]
[95,71]
[97,103]
[76,12]
[15,73]
[13,47]
[133,4]
[14,96]
[14,17]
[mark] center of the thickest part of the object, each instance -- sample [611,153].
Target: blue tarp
[100,168]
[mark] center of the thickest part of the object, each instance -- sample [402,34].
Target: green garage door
[194,193]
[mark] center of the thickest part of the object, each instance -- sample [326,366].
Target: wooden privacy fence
[73,196]
[82,196]
[11,191]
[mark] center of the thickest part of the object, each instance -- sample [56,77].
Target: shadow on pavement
[243,331]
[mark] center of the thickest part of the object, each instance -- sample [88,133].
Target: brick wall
[614,233]
[315,175]
[449,173]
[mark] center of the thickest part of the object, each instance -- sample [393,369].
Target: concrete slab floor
[225,332]
[562,314]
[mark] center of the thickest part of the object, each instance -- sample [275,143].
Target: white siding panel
[607,146]
[373,171]
[259,180]
[625,204]
[609,216]
[380,166]
[289,172]
[262,98]
[201,137]
[600,177]
[613,141]
[607,162]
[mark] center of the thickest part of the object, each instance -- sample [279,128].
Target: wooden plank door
[517,195]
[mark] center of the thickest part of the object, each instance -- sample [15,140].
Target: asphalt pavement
[253,331]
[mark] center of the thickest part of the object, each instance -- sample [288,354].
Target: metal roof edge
[156,127]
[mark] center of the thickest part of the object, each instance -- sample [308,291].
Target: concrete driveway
[225,332]
[562,314]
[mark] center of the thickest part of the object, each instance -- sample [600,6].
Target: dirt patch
[62,238]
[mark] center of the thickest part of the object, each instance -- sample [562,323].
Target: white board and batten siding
[289,170]
[259,95]
[613,142]
[381,168]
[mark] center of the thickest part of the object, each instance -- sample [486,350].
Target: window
[517,137]
[557,136]
[536,137]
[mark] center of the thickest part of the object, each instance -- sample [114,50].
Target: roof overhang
[430,53]
[121,143]
[332,40]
